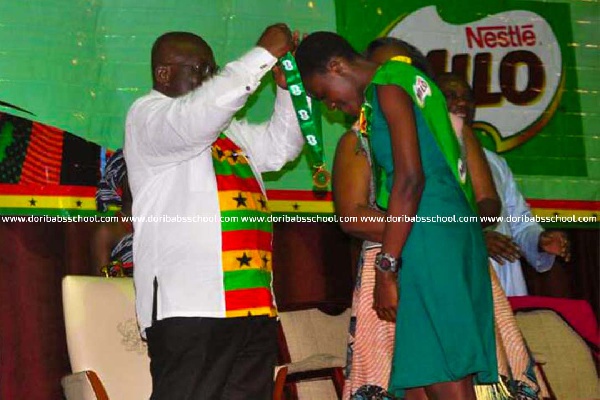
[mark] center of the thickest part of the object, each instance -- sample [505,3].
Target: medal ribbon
[309,119]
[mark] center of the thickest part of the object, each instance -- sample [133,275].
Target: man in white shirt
[202,267]
[509,240]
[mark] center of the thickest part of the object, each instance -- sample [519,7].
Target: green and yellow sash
[432,103]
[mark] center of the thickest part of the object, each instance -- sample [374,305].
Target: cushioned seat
[315,349]
[565,357]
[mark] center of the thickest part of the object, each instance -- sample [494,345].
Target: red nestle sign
[500,36]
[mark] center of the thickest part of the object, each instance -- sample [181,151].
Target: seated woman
[112,242]
[444,336]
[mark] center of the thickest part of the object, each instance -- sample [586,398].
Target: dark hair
[419,61]
[171,40]
[450,77]
[318,48]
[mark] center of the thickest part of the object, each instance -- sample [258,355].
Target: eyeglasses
[205,71]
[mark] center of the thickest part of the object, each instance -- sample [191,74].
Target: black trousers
[212,358]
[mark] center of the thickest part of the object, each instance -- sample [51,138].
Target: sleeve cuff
[544,262]
[283,100]
[258,61]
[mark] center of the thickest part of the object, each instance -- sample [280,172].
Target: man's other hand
[279,77]
[277,39]
[557,243]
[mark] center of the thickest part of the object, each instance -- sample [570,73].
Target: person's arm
[351,187]
[500,247]
[525,231]
[488,201]
[272,144]
[103,240]
[409,179]
[170,130]
[175,129]
[528,239]
[409,182]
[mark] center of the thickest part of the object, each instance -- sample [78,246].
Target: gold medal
[321,177]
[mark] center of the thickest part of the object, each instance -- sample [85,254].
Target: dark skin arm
[488,202]
[405,195]
[351,179]
[101,245]
[106,236]
[499,246]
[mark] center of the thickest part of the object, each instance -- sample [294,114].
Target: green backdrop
[562,160]
[78,65]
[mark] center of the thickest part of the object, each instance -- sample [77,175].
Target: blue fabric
[526,234]
[106,193]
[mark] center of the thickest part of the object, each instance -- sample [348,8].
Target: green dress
[444,326]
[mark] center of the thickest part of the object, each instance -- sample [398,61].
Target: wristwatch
[386,262]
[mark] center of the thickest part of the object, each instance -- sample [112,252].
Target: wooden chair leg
[338,381]
[279,383]
[97,385]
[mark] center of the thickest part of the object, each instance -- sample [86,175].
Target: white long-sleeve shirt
[170,171]
[525,232]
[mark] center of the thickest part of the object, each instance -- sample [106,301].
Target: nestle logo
[501,36]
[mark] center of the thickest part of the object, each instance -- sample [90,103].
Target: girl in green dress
[433,276]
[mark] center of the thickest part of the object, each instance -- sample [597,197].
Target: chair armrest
[316,362]
[83,386]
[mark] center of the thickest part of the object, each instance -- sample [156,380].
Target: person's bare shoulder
[349,145]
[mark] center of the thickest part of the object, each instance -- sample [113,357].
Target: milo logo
[422,90]
[512,61]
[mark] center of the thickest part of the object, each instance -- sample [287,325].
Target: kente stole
[246,233]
